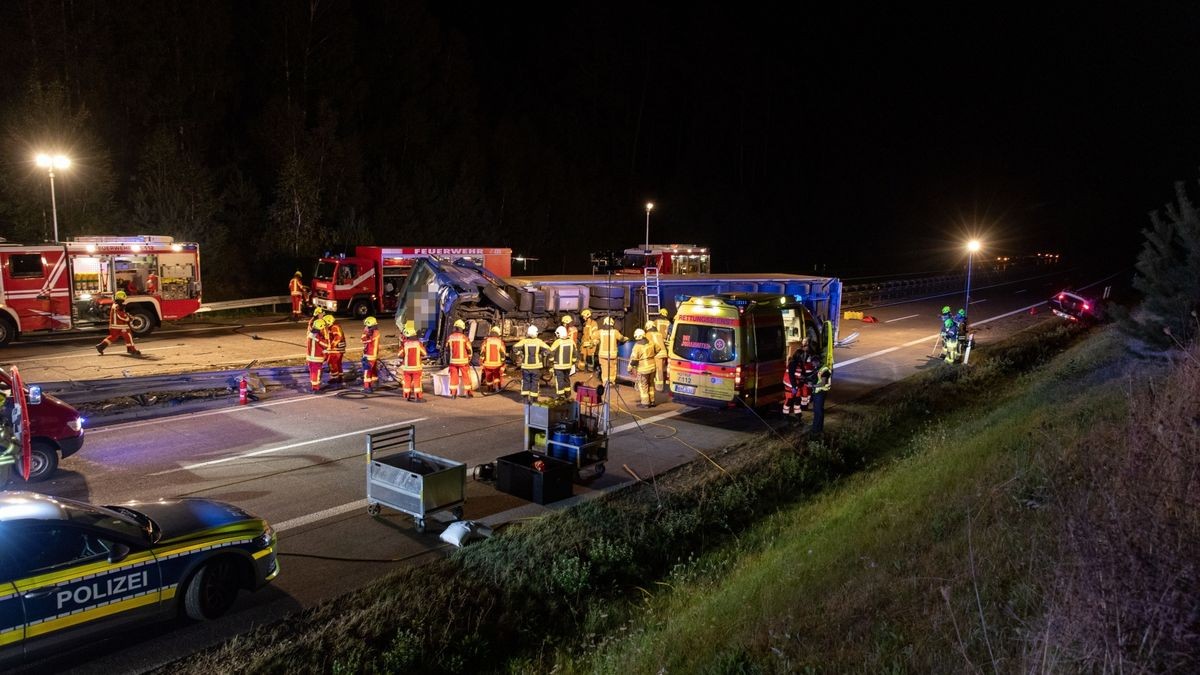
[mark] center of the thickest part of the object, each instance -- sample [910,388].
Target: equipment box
[410,481]
[516,476]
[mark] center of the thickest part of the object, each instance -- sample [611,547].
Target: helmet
[962,312]
[607,321]
[662,311]
[297,274]
[561,332]
[586,313]
[410,332]
[650,325]
[532,331]
[318,311]
[639,334]
[949,323]
[946,309]
[370,322]
[120,296]
[460,324]
[495,330]
[566,319]
[327,320]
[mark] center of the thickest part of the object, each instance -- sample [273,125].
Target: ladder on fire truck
[653,292]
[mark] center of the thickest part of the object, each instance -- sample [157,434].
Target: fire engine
[369,281]
[677,259]
[70,285]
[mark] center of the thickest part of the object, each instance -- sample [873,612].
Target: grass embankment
[549,590]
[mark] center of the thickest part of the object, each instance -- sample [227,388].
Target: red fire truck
[678,259]
[64,286]
[368,282]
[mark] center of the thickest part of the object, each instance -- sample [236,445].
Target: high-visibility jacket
[411,353]
[608,341]
[653,337]
[563,351]
[296,287]
[643,356]
[336,339]
[824,380]
[664,331]
[591,333]
[370,342]
[493,352]
[459,348]
[118,318]
[533,353]
[317,343]
[573,334]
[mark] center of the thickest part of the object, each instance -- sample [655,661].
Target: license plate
[683,378]
[684,389]
[327,304]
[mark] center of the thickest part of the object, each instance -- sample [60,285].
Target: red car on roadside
[56,429]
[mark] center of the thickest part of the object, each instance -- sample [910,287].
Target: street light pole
[649,208]
[972,247]
[50,164]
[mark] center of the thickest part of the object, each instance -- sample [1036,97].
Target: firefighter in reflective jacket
[641,360]
[118,326]
[317,343]
[532,352]
[609,338]
[572,331]
[412,352]
[563,352]
[493,360]
[459,349]
[336,350]
[821,386]
[660,351]
[801,371]
[589,339]
[370,357]
[950,341]
[297,289]
[663,324]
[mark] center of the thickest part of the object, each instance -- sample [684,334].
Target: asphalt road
[299,459]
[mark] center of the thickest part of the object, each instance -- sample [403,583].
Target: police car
[70,571]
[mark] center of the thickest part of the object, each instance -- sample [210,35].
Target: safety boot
[101,347]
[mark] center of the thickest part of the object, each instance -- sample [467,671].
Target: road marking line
[976,302]
[320,515]
[902,318]
[648,420]
[1020,291]
[89,353]
[206,413]
[289,446]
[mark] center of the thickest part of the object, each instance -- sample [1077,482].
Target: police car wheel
[43,461]
[212,590]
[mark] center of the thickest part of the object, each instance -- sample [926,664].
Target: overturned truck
[439,291]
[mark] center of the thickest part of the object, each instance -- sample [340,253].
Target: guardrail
[246,303]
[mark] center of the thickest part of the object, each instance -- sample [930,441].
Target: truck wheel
[141,321]
[607,291]
[213,590]
[7,330]
[606,303]
[43,461]
[360,309]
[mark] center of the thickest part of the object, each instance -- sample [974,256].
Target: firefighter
[950,341]
[493,360]
[563,352]
[152,283]
[660,353]
[335,337]
[370,357]
[412,352]
[822,382]
[960,321]
[532,352]
[663,323]
[945,314]
[800,371]
[297,289]
[118,326]
[315,348]
[459,349]
[590,338]
[642,359]
[572,331]
[609,338]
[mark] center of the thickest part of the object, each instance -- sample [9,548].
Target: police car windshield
[120,523]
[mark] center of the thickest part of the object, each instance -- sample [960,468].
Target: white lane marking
[1020,291]
[976,302]
[320,515]
[206,413]
[910,343]
[910,316]
[289,446]
[91,353]
[648,420]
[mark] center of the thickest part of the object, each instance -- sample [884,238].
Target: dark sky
[859,140]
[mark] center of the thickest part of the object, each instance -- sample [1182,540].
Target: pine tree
[1168,274]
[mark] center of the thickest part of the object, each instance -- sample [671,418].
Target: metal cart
[584,425]
[409,481]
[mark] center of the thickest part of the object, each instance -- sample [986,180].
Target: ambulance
[732,349]
[62,286]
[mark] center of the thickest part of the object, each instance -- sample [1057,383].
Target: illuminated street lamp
[649,208]
[50,164]
[973,247]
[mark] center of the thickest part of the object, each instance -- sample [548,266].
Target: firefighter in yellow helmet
[315,345]
[492,354]
[563,353]
[118,326]
[297,290]
[532,352]
[654,338]
[608,342]
[458,347]
[589,340]
[370,357]
[641,362]
[663,324]
[412,355]
[336,350]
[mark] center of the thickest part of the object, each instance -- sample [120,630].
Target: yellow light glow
[649,206]
[91,248]
[52,162]
[973,246]
[136,248]
[176,248]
